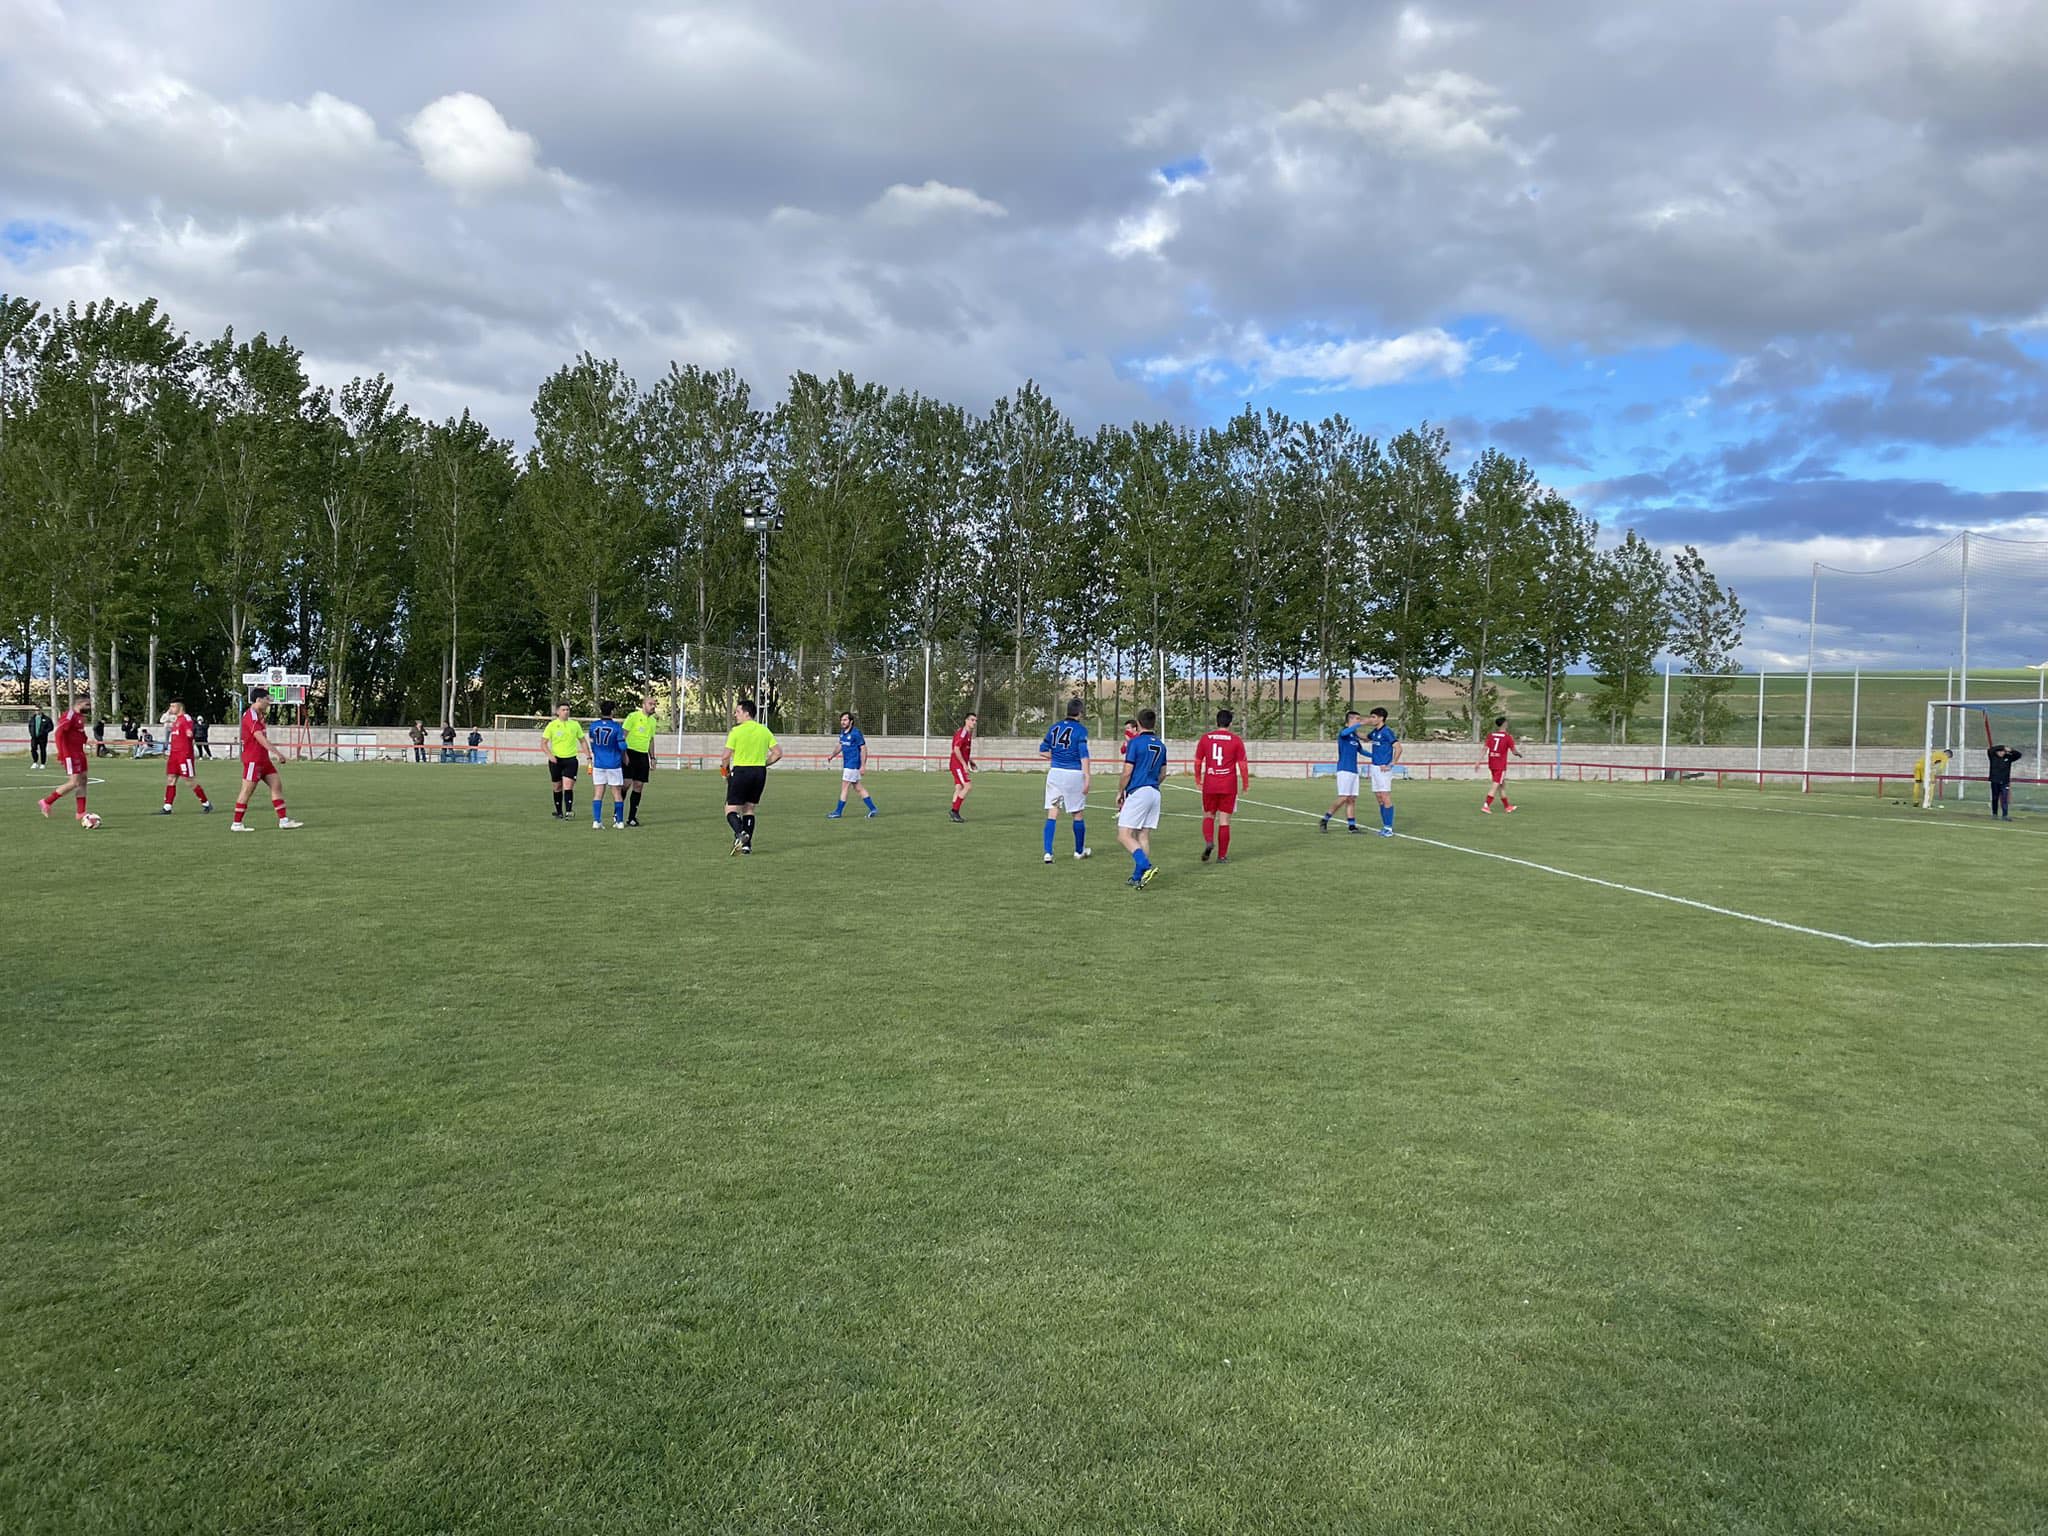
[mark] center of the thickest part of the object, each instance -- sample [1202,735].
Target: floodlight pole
[1855,714]
[1806,734]
[1664,730]
[1761,674]
[761,631]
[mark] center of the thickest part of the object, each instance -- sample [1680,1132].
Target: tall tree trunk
[596,692]
[114,675]
[151,711]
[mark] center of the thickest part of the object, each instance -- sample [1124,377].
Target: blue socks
[1139,862]
[866,800]
[1387,817]
[1351,822]
[597,810]
[1050,823]
[1080,835]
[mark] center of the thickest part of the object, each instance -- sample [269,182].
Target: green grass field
[445,1168]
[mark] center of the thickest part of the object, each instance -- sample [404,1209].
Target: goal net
[1960,739]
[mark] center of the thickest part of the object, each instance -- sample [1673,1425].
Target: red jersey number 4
[1218,756]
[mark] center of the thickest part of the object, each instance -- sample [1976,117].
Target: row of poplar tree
[173,511]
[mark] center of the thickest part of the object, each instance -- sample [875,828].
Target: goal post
[1958,730]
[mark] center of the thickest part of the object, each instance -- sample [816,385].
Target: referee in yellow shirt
[564,738]
[749,749]
[639,727]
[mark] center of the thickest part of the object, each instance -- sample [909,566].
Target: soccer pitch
[444,1167]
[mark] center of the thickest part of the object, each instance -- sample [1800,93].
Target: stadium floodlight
[761,518]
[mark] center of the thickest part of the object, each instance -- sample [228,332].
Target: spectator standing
[39,727]
[2002,759]
[199,741]
[476,741]
[418,733]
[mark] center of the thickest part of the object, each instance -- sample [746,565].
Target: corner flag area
[1657,1153]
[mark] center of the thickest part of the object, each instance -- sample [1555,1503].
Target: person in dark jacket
[2002,759]
[40,725]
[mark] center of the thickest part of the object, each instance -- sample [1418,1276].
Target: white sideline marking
[1978,825]
[1235,820]
[1704,906]
[1262,804]
[58,779]
[1684,901]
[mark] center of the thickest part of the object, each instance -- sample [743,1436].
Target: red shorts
[1498,770]
[961,777]
[71,764]
[255,769]
[1223,800]
[178,768]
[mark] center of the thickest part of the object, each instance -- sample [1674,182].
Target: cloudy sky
[1768,278]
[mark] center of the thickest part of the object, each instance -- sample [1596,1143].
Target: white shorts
[1347,785]
[603,777]
[1140,809]
[1066,789]
[1382,779]
[849,775]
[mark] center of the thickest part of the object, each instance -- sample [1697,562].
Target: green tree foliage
[1411,554]
[1706,626]
[192,509]
[1631,618]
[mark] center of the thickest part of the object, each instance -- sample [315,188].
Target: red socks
[956,802]
[81,805]
[48,801]
[1223,842]
[277,806]
[1208,829]
[199,793]
[241,808]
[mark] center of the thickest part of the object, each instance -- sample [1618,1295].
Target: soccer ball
[89,820]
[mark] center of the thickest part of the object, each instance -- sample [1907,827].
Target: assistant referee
[565,739]
[639,756]
[749,749]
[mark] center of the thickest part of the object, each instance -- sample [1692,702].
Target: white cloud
[1358,363]
[1143,234]
[1445,115]
[905,204]
[465,144]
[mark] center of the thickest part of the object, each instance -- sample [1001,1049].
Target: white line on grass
[1266,805]
[1681,901]
[1704,906]
[39,784]
[1785,810]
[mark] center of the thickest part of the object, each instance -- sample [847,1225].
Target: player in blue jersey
[1137,797]
[1350,747]
[1385,749]
[1065,750]
[605,742]
[852,751]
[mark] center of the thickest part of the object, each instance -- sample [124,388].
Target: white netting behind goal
[1974,602]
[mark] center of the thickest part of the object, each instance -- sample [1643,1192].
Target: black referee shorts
[637,769]
[743,786]
[560,768]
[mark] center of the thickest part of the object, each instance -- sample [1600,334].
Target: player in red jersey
[963,764]
[258,766]
[178,765]
[1498,745]
[1130,731]
[70,740]
[1221,770]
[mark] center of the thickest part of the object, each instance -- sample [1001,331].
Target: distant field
[445,1168]
[1887,710]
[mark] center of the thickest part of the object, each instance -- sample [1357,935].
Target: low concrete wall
[1277,759]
